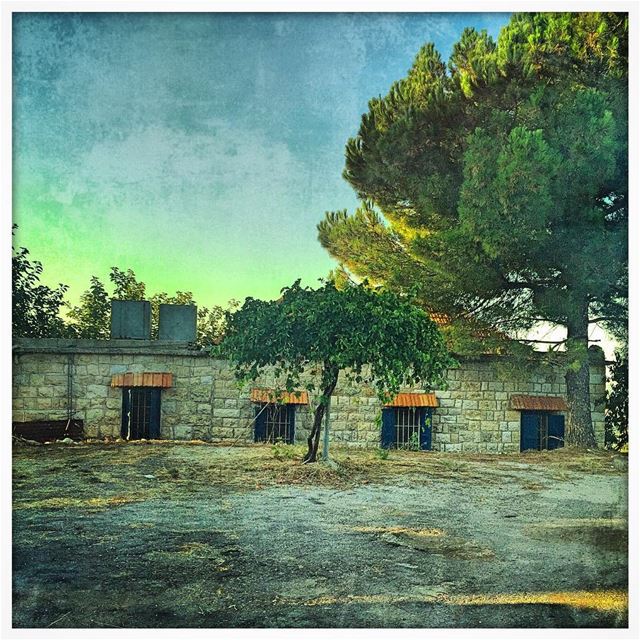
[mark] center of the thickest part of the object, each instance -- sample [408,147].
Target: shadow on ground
[180,535]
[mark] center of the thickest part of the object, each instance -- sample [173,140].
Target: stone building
[136,388]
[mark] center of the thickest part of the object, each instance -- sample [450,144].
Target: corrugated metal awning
[162,380]
[414,400]
[285,397]
[538,403]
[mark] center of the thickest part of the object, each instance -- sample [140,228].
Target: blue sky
[200,150]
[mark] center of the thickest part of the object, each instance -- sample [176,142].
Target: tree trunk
[579,431]
[331,376]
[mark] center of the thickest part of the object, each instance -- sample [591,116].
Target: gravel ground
[200,536]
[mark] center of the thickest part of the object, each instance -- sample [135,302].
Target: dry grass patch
[430,540]
[617,601]
[426,533]
[191,466]
[608,601]
[93,504]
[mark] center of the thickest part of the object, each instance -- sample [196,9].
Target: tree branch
[554,341]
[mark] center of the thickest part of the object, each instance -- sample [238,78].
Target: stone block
[168,407]
[115,404]
[200,393]
[41,404]
[93,370]
[94,415]
[96,391]
[182,432]
[118,368]
[227,413]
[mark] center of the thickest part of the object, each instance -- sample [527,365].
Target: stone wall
[56,379]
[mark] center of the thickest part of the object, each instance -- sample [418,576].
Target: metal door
[275,423]
[140,413]
[529,431]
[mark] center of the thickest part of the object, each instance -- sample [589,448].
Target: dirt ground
[197,535]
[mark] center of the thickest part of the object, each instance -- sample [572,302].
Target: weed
[282,451]
[382,454]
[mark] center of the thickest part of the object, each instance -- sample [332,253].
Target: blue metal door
[275,423]
[260,423]
[140,413]
[388,436]
[291,415]
[529,431]
[555,438]
[426,421]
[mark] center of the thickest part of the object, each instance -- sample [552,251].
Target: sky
[199,150]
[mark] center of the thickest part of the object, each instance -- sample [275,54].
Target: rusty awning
[538,403]
[151,379]
[414,400]
[284,397]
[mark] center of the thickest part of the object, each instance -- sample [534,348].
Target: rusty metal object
[284,397]
[162,380]
[538,403]
[414,400]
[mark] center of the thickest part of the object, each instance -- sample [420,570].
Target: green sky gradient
[199,150]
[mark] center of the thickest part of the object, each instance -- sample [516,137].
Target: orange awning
[414,400]
[163,380]
[285,397]
[538,403]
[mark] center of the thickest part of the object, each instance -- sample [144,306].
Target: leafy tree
[90,318]
[373,336]
[617,407]
[497,184]
[212,323]
[126,285]
[35,307]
